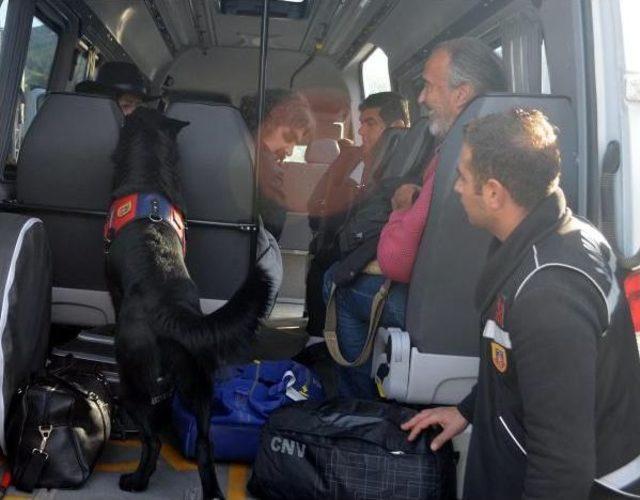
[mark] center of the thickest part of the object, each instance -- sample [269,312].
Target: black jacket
[271,195]
[558,394]
[357,239]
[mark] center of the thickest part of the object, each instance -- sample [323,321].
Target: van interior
[577,60]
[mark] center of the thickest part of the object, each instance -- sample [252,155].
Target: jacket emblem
[499,357]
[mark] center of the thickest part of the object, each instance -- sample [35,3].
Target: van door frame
[12,60]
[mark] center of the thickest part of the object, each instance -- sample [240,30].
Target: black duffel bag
[345,449]
[58,425]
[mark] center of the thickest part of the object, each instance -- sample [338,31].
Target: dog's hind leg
[144,418]
[204,451]
[194,384]
[139,365]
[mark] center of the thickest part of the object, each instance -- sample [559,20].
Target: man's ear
[463,94]
[399,123]
[495,194]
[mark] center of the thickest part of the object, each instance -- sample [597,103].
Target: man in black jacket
[555,409]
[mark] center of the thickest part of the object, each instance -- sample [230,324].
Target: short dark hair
[281,107]
[518,148]
[393,106]
[472,61]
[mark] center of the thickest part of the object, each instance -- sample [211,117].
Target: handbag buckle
[45,432]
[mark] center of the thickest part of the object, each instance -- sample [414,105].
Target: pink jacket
[400,237]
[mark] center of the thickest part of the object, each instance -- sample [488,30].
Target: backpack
[243,398]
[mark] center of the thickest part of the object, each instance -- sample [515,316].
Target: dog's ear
[176,125]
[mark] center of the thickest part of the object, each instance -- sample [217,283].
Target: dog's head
[147,154]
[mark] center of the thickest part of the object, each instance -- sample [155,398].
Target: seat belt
[330,328]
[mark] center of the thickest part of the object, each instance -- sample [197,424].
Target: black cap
[116,78]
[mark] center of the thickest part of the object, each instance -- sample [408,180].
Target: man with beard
[456,72]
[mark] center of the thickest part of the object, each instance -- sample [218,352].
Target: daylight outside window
[375,73]
[545,84]
[630,12]
[3,17]
[35,78]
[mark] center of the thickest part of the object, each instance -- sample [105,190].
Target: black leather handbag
[58,425]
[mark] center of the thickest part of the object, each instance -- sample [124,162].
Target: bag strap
[330,328]
[32,472]
[30,475]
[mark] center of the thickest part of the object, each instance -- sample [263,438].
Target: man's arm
[324,199]
[555,326]
[467,406]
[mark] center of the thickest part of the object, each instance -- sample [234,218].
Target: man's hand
[404,196]
[447,417]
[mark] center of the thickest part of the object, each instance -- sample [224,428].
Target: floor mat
[175,478]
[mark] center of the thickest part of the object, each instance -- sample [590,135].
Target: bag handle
[330,328]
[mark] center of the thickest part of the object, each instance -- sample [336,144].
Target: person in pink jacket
[456,71]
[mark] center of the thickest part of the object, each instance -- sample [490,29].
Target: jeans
[353,307]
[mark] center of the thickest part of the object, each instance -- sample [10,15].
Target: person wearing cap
[121,81]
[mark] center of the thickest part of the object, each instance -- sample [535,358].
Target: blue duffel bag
[243,398]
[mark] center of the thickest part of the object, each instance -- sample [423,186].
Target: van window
[545,83]
[42,49]
[629,14]
[297,155]
[375,73]
[80,69]
[43,42]
[3,17]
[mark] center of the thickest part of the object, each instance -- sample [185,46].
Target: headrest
[323,151]
[385,149]
[210,97]
[216,158]
[69,145]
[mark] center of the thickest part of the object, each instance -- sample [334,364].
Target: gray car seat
[216,157]
[65,177]
[25,307]
[436,359]
[402,152]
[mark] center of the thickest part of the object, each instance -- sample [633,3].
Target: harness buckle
[154,216]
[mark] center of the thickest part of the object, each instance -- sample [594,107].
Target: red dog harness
[152,206]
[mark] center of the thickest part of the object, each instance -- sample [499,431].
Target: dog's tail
[226,333]
[234,325]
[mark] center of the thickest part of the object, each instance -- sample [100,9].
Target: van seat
[64,176]
[436,359]
[300,179]
[322,151]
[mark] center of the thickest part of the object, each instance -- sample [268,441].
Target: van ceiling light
[288,9]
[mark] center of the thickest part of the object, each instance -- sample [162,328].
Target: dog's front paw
[133,482]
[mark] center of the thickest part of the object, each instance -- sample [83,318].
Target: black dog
[163,338]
